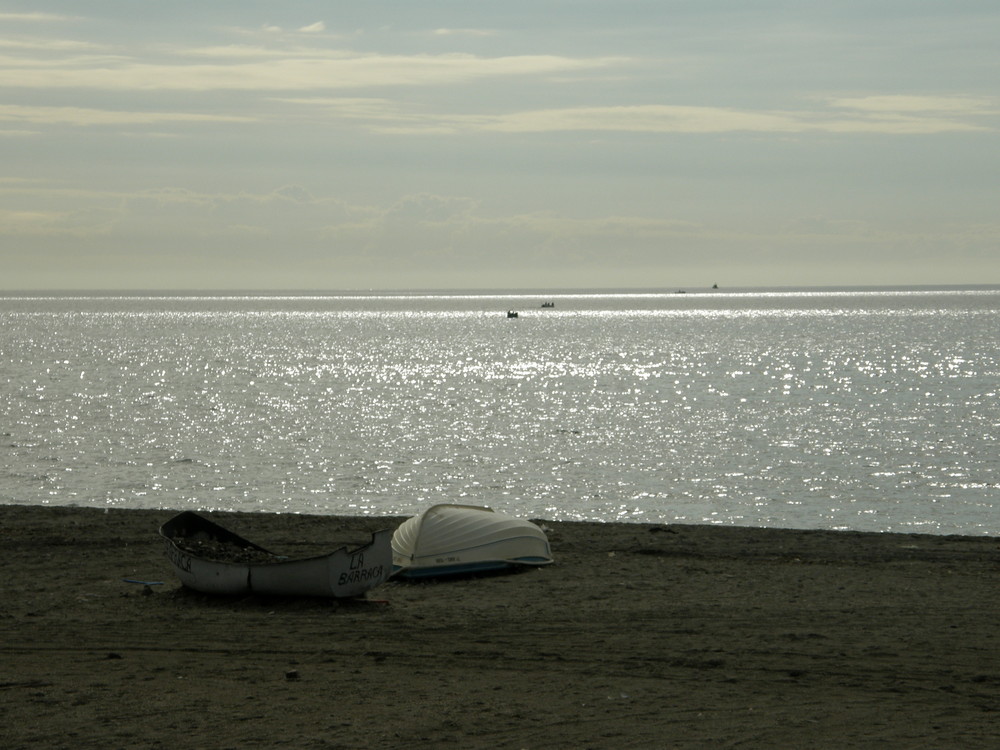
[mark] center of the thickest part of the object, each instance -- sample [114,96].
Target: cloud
[428,209]
[463,32]
[364,109]
[238,51]
[312,70]
[958,105]
[40,223]
[643,118]
[665,118]
[80,116]
[313,28]
[35,17]
[294,211]
[295,193]
[291,237]
[48,45]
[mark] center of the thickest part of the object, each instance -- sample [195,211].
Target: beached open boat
[461,539]
[214,560]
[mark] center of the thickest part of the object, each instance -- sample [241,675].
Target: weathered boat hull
[343,573]
[447,540]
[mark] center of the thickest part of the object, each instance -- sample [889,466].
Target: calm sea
[837,409]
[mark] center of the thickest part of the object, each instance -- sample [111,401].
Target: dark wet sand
[638,637]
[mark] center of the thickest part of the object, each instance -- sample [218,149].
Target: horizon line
[480,291]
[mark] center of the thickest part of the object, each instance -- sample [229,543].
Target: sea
[872,409]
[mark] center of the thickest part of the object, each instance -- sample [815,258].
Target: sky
[526,144]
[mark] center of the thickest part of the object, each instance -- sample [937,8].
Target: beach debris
[226,551]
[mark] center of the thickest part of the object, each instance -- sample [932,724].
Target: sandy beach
[637,637]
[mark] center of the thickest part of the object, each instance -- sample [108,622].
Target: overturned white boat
[461,539]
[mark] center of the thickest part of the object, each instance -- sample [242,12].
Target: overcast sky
[240,144]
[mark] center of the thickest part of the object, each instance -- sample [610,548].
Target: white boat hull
[461,539]
[341,574]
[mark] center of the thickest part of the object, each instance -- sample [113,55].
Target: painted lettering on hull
[181,560]
[361,575]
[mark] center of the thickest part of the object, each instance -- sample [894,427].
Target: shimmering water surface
[852,409]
